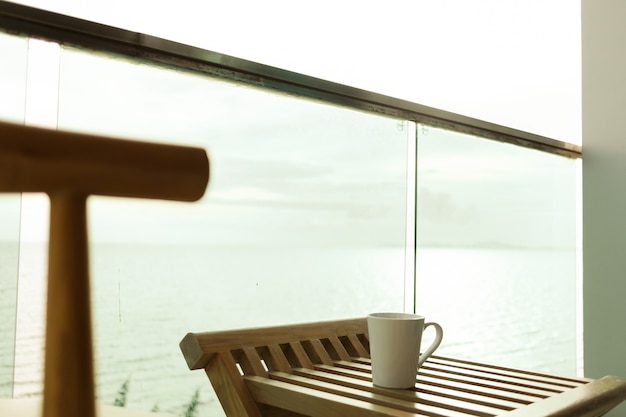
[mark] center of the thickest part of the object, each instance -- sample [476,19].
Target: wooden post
[69,354]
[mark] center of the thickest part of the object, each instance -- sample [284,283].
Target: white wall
[604,187]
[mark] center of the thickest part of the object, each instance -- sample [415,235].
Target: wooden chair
[70,167]
[323,370]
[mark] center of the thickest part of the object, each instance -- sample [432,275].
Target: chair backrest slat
[299,354]
[276,359]
[339,349]
[358,345]
[318,352]
[251,363]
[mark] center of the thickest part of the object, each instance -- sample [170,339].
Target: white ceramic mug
[395,340]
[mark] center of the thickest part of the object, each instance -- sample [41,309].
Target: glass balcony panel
[304,219]
[13,77]
[12,85]
[9,261]
[496,253]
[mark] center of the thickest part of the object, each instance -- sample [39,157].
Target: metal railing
[66,30]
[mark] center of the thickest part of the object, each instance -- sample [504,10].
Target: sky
[498,60]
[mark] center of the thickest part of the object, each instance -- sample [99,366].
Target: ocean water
[512,307]
[8,301]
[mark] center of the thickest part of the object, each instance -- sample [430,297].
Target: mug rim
[395,316]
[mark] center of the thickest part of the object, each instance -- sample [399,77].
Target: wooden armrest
[589,400]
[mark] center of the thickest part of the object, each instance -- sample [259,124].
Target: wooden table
[323,370]
[444,387]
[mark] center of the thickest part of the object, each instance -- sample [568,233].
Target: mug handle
[434,345]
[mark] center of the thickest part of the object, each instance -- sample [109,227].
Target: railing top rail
[66,30]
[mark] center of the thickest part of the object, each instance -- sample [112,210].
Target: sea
[514,307]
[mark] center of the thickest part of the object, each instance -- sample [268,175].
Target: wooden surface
[69,167]
[198,348]
[323,369]
[68,355]
[43,160]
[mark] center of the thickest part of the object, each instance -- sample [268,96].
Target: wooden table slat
[433,398]
[484,391]
[487,398]
[477,398]
[505,386]
[515,380]
[501,370]
[425,407]
[494,391]
[557,382]
[315,403]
